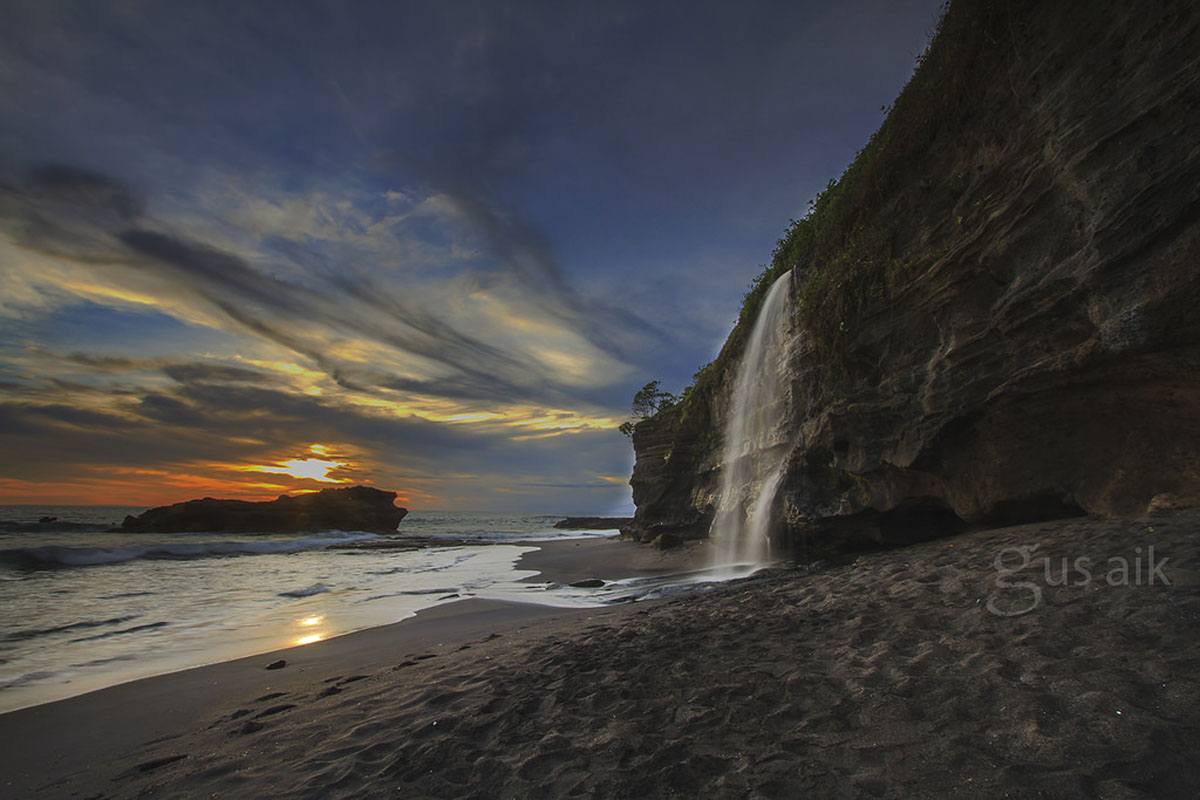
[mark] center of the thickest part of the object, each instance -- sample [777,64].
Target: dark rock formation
[997,303]
[357,508]
[592,523]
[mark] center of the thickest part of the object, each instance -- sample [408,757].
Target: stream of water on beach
[85,609]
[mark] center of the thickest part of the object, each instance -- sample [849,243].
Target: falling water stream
[756,442]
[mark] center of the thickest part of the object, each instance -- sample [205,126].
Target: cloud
[528,256]
[88,219]
[198,372]
[66,211]
[85,190]
[224,431]
[107,363]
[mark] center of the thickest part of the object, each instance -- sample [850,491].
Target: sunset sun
[313,469]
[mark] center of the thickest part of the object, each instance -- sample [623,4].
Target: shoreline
[556,561]
[139,663]
[886,675]
[126,714]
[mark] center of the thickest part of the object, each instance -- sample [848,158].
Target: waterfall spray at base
[756,445]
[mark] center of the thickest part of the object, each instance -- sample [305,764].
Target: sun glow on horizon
[314,469]
[306,468]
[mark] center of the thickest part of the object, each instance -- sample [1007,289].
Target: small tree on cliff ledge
[648,401]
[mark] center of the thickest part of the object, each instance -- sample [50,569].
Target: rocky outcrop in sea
[356,508]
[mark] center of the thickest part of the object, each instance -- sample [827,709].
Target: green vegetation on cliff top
[853,251]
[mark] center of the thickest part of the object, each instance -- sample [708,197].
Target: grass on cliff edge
[848,249]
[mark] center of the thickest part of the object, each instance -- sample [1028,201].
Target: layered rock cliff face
[998,305]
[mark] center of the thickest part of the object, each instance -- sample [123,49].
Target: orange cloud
[152,486]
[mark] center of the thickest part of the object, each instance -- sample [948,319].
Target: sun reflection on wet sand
[310,621]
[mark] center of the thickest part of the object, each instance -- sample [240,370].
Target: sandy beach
[887,676]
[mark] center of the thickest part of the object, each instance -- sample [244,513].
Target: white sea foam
[69,556]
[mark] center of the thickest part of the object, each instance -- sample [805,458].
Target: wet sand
[608,559]
[59,749]
[884,677]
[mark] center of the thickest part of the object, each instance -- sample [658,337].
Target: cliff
[996,305]
[357,508]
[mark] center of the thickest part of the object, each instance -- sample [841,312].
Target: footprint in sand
[267,712]
[270,696]
[150,766]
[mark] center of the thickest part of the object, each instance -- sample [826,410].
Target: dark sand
[608,559]
[886,677]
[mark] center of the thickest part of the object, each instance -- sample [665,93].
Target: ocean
[84,608]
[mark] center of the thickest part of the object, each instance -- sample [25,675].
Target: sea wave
[410,592]
[307,591]
[28,677]
[65,556]
[149,626]
[33,633]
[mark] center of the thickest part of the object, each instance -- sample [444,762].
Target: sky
[249,249]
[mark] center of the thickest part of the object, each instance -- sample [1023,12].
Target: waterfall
[756,442]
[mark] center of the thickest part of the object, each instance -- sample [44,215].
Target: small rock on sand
[280,664]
